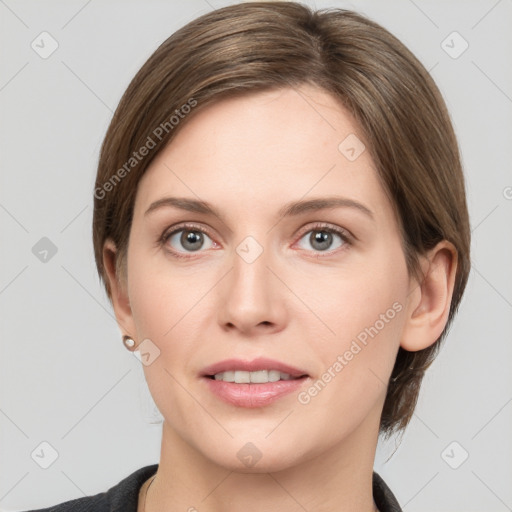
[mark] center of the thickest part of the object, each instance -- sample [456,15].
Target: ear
[119,291]
[429,301]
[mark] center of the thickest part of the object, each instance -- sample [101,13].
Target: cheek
[171,308]
[367,289]
[162,304]
[364,313]
[168,311]
[351,383]
[159,295]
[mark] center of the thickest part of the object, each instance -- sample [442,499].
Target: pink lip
[252,395]
[261,363]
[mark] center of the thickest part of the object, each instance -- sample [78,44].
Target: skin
[297,303]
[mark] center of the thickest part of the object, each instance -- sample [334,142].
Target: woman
[281,225]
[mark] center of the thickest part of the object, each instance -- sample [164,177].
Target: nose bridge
[250,276]
[250,296]
[250,249]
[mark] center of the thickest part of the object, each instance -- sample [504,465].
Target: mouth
[258,371]
[256,377]
[254,383]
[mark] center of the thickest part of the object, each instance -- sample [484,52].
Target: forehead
[260,150]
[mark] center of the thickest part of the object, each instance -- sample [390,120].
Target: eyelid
[317,226]
[191,226]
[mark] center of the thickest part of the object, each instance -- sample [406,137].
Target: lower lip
[253,395]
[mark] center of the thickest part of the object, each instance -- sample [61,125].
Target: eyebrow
[291,209]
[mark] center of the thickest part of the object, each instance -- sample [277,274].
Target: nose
[251,299]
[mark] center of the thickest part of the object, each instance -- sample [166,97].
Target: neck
[339,479]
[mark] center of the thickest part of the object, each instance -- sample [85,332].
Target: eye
[183,240]
[186,239]
[322,237]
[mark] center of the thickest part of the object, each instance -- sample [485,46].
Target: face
[318,290]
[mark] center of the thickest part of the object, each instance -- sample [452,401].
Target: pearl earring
[129,343]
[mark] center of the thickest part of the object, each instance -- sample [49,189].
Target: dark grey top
[124,496]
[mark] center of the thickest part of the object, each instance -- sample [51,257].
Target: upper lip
[261,363]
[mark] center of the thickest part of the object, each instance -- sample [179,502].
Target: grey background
[65,377]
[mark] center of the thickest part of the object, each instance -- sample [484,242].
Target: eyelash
[322,227]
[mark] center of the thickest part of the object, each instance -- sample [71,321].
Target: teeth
[258,377]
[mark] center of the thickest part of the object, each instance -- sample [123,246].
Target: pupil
[322,238]
[189,238]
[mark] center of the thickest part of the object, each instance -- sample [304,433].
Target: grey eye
[322,239]
[191,240]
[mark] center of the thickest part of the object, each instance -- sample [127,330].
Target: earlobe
[430,300]
[118,290]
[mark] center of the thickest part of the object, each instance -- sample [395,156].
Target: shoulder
[383,497]
[122,497]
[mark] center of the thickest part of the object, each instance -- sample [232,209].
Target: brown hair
[258,46]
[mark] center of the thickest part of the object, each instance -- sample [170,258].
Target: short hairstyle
[257,46]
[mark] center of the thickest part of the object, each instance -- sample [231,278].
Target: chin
[258,455]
